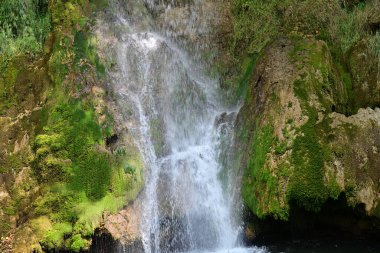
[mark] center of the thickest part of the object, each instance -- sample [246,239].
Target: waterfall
[174,111]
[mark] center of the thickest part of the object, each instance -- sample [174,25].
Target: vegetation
[256,23]
[342,26]
[260,187]
[24,26]
[325,84]
[47,45]
[48,64]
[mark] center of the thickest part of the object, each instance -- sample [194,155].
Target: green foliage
[24,26]
[256,22]
[54,238]
[280,148]
[8,79]
[91,182]
[78,243]
[58,204]
[351,28]
[74,50]
[78,178]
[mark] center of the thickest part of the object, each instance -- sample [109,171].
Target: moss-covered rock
[364,67]
[354,142]
[299,152]
[59,178]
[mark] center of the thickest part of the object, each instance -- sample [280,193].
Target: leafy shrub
[24,26]
[256,23]
[351,27]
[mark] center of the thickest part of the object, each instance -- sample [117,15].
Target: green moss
[307,186]
[256,175]
[65,206]
[90,181]
[247,69]
[280,148]
[325,84]
[57,203]
[98,4]
[260,186]
[300,90]
[333,187]
[78,179]
[156,130]
[347,81]
[78,243]
[8,79]
[376,211]
[54,239]
[310,152]
[84,49]
[14,162]
[313,59]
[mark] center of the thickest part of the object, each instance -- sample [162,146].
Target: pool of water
[236,250]
[352,246]
[325,247]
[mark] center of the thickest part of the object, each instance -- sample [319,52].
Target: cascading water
[172,108]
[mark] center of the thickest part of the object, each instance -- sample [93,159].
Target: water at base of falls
[174,112]
[235,250]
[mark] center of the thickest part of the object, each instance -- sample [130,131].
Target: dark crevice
[336,221]
[111,140]
[103,242]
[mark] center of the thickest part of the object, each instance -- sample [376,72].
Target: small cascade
[173,110]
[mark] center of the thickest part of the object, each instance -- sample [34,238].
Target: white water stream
[174,108]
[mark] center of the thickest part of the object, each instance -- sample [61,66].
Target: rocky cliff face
[303,150]
[66,161]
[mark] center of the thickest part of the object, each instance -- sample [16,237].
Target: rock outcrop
[302,150]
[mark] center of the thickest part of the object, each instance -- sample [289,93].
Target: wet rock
[124,225]
[364,66]
[295,149]
[225,118]
[174,236]
[177,235]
